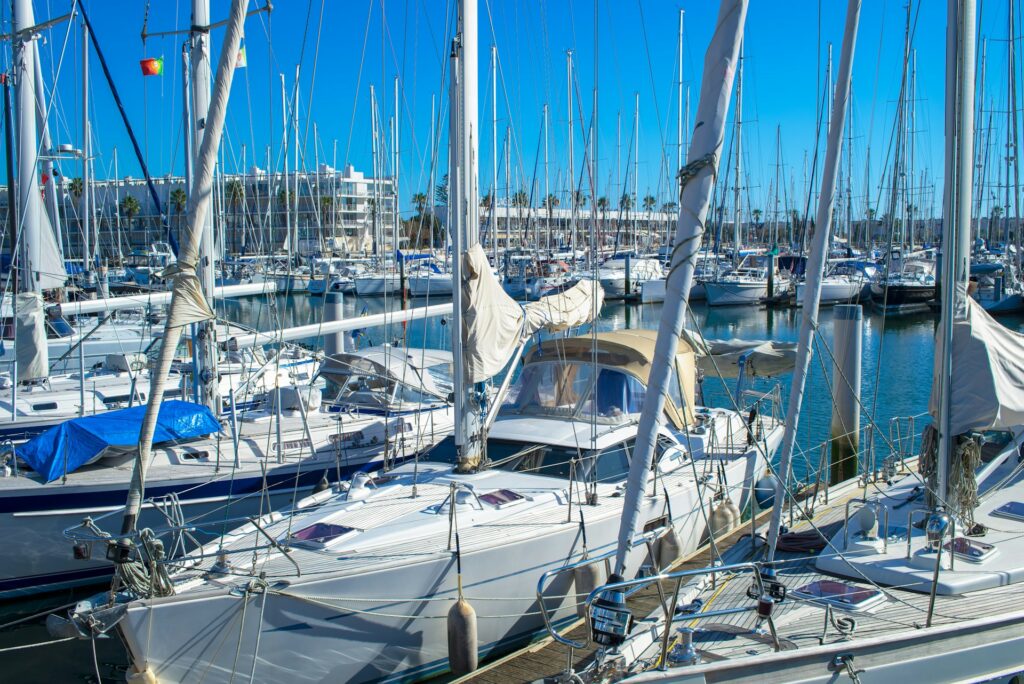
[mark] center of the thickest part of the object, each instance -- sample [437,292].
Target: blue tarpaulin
[67,446]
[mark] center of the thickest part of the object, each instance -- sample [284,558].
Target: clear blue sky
[363,43]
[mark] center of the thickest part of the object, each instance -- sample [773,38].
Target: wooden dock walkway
[547,659]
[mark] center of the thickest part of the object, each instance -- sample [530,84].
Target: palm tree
[485,201]
[76,188]
[580,198]
[520,199]
[179,200]
[130,208]
[550,202]
[669,207]
[626,201]
[419,201]
[649,203]
[326,204]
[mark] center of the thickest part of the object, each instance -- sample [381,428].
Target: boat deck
[736,640]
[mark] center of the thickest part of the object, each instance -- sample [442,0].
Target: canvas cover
[987,390]
[70,445]
[30,343]
[495,324]
[765,358]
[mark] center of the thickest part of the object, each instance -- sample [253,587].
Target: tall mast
[29,201]
[679,118]
[295,153]
[285,185]
[572,165]
[86,227]
[712,109]
[394,170]
[737,163]
[956,241]
[494,155]
[183,308]
[636,168]
[375,211]
[206,334]
[463,143]
[816,263]
[547,188]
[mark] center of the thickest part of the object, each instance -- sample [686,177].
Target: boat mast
[956,241]
[636,169]
[463,142]
[737,162]
[547,187]
[679,117]
[205,345]
[720,69]
[572,167]
[815,266]
[185,305]
[494,155]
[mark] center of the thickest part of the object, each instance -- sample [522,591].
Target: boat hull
[429,286]
[377,286]
[388,624]
[724,293]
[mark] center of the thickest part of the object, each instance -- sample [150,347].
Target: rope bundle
[962,488]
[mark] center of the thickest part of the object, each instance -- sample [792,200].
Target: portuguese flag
[152,66]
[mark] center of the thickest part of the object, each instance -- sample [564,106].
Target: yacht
[613,275]
[390,404]
[846,281]
[746,284]
[361,577]
[908,286]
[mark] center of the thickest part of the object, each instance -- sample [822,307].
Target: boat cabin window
[607,465]
[568,389]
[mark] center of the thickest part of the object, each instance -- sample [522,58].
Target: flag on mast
[152,66]
[240,61]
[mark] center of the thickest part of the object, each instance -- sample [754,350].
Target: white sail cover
[496,324]
[987,390]
[192,307]
[30,345]
[763,358]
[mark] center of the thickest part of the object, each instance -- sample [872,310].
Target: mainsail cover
[496,324]
[722,357]
[987,391]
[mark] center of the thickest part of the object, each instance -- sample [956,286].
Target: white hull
[387,622]
[377,285]
[434,285]
[725,293]
[832,292]
[652,291]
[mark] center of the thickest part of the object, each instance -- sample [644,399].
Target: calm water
[897,351]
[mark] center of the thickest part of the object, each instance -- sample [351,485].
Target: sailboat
[370,572]
[912,576]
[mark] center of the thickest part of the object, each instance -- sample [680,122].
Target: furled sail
[30,337]
[987,383]
[495,324]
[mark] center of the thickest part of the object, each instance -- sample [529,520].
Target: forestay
[496,324]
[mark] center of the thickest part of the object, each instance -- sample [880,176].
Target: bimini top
[626,355]
[428,370]
[80,441]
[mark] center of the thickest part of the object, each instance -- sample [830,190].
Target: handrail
[678,576]
[645,538]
